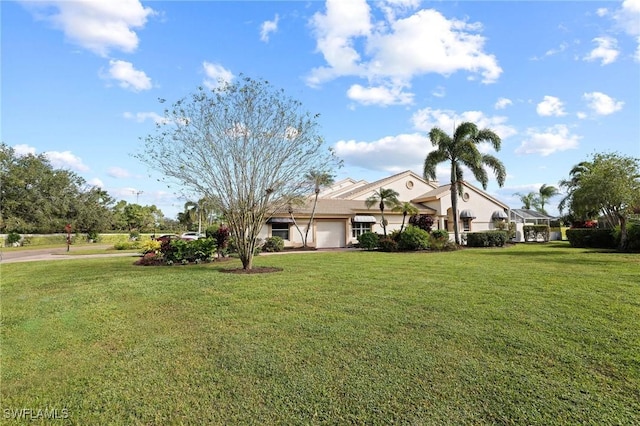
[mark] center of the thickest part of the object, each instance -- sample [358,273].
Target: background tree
[94,212]
[609,185]
[244,145]
[406,208]
[544,194]
[462,150]
[317,179]
[529,200]
[384,198]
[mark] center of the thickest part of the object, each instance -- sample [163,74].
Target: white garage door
[330,234]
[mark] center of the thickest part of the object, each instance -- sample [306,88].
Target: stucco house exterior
[341,215]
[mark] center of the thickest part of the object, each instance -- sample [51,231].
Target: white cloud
[606,50]
[426,119]
[127,76]
[141,117]
[627,17]
[502,103]
[98,26]
[391,154]
[439,92]
[118,172]
[66,160]
[603,11]
[602,104]
[379,95]
[554,139]
[95,182]
[390,52]
[581,115]
[550,106]
[268,27]
[23,149]
[216,75]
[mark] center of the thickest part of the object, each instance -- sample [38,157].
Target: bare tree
[245,145]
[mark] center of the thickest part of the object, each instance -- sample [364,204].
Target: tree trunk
[384,225]
[313,211]
[404,217]
[623,233]
[454,203]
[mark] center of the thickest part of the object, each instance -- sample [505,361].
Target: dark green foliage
[633,236]
[93,236]
[388,244]
[413,238]
[440,234]
[210,232]
[591,237]
[12,238]
[180,251]
[150,259]
[422,221]
[486,239]
[273,244]
[533,233]
[368,240]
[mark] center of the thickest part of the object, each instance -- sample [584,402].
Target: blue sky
[557,80]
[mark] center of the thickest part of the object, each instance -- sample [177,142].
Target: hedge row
[604,238]
[487,239]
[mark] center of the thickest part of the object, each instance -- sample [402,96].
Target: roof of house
[381,184]
[330,207]
[530,214]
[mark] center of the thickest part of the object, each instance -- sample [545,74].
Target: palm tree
[318,179]
[462,150]
[384,198]
[528,200]
[407,209]
[544,194]
[572,184]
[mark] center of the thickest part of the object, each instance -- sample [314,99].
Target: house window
[466,225]
[359,228]
[280,230]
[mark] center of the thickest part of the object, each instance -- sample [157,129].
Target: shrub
[210,232]
[439,240]
[151,246]
[422,221]
[13,238]
[201,250]
[388,244]
[133,235]
[486,239]
[150,259]
[126,245]
[93,236]
[440,234]
[368,240]
[413,238]
[633,236]
[591,238]
[273,244]
[222,237]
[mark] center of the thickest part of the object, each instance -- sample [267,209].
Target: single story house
[341,214]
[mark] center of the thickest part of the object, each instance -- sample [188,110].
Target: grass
[531,334]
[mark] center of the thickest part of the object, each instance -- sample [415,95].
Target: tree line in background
[37,198]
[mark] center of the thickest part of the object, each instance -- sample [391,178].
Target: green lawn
[536,335]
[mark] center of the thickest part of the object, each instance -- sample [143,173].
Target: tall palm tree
[406,208]
[462,150]
[573,183]
[318,179]
[544,194]
[384,198]
[528,200]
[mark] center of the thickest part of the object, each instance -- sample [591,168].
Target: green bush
[151,246]
[388,244]
[211,231]
[93,236]
[368,240]
[591,238]
[273,244]
[13,238]
[413,238]
[487,239]
[180,251]
[127,245]
[439,240]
